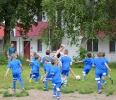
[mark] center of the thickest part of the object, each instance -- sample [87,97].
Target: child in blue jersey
[47,56]
[56,79]
[66,62]
[88,62]
[98,63]
[47,76]
[105,73]
[32,59]
[16,67]
[35,68]
[11,50]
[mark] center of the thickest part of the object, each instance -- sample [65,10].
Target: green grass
[86,87]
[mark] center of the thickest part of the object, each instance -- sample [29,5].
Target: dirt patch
[47,95]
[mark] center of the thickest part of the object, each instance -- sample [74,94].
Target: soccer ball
[78,77]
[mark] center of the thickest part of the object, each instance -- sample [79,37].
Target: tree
[12,11]
[80,17]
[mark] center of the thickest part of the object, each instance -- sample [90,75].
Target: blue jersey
[55,72]
[32,58]
[11,50]
[88,62]
[48,57]
[35,66]
[99,62]
[106,61]
[47,68]
[15,66]
[65,60]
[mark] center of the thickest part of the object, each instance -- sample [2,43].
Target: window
[92,45]
[44,16]
[112,46]
[1,45]
[55,47]
[39,45]
[40,17]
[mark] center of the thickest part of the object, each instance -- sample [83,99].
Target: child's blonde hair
[62,46]
[14,55]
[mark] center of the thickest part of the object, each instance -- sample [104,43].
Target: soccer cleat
[105,83]
[30,80]
[62,83]
[14,90]
[54,96]
[100,91]
[45,89]
[58,98]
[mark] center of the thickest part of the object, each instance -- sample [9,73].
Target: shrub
[3,58]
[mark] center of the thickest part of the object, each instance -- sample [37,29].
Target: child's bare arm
[21,67]
[7,71]
[107,66]
[45,74]
[72,72]
[79,62]
[29,60]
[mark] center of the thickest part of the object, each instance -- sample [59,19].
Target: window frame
[92,45]
[38,42]
[57,46]
[110,46]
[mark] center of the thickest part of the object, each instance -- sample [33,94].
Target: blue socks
[14,85]
[46,84]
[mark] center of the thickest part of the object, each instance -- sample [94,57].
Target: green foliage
[80,17]
[3,58]
[21,94]
[15,94]
[12,11]
[7,94]
[82,52]
[23,60]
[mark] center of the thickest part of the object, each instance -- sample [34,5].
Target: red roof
[34,31]
[1,31]
[101,33]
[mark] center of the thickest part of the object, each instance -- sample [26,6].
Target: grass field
[86,87]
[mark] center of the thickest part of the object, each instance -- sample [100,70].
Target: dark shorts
[65,72]
[17,77]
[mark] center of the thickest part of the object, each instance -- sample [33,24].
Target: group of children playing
[57,69]
[100,63]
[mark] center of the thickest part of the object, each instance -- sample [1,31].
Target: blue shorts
[98,76]
[86,71]
[34,75]
[57,85]
[48,76]
[65,72]
[17,77]
[105,72]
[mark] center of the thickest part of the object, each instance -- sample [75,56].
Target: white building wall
[103,46]
[33,46]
